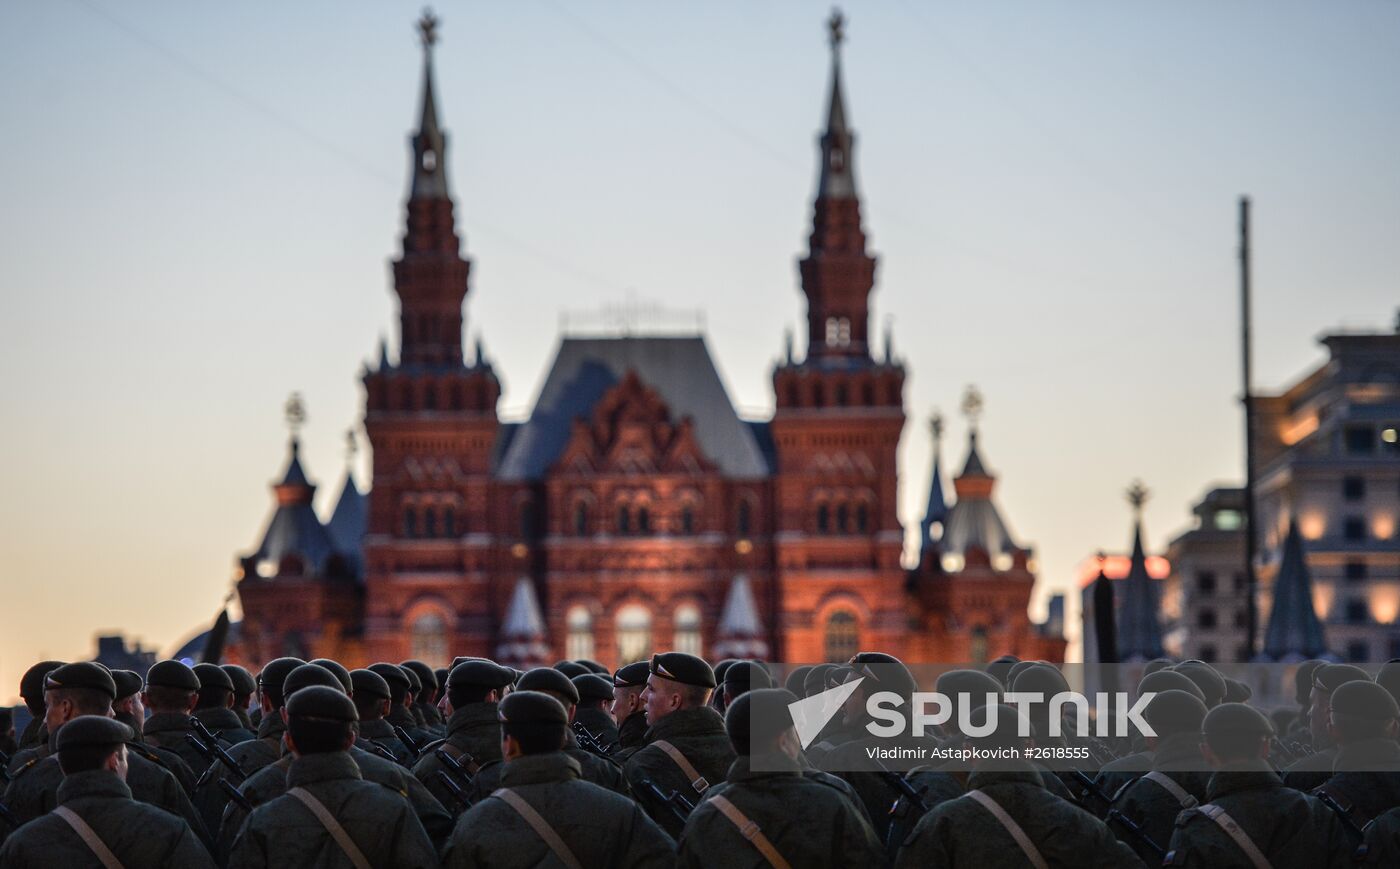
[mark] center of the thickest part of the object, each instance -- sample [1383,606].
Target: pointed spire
[294,411]
[837,179]
[740,631]
[383,354]
[937,509]
[1139,631]
[522,630]
[294,541]
[972,405]
[480,351]
[1294,631]
[429,145]
[889,340]
[787,345]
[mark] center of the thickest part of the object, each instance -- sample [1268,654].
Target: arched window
[430,528]
[688,629]
[978,652]
[643,520]
[581,520]
[823,519]
[744,522]
[842,636]
[410,522]
[843,518]
[428,640]
[687,520]
[579,643]
[449,522]
[624,519]
[633,634]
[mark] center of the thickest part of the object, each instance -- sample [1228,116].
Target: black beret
[1017,669]
[1156,664]
[1175,711]
[722,667]
[275,672]
[321,701]
[1008,727]
[128,682]
[1236,718]
[309,675]
[1389,678]
[1207,678]
[570,668]
[593,666]
[815,681]
[367,683]
[975,684]
[633,675]
[31,684]
[212,676]
[480,673]
[532,707]
[83,674]
[1169,680]
[1330,677]
[591,686]
[1237,691]
[887,670]
[172,674]
[393,674]
[683,668]
[442,673]
[337,670]
[88,730]
[551,681]
[1000,669]
[427,679]
[461,659]
[794,680]
[1045,678]
[243,681]
[747,675]
[758,716]
[1303,681]
[415,685]
[1364,700]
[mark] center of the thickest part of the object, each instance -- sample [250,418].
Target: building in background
[1205,597]
[635,510]
[1137,581]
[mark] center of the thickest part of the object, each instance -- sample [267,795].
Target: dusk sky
[198,203]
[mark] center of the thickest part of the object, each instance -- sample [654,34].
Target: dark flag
[1105,620]
[218,636]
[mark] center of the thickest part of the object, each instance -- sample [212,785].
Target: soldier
[244,687]
[594,667]
[8,744]
[329,815]
[1382,841]
[543,810]
[129,710]
[214,706]
[72,691]
[1252,818]
[796,678]
[31,690]
[1008,818]
[96,815]
[686,747]
[372,697]
[740,678]
[570,668]
[592,768]
[473,730]
[271,781]
[254,754]
[1365,782]
[172,690]
[400,703]
[628,710]
[1115,774]
[1302,688]
[425,698]
[717,698]
[595,695]
[1178,779]
[1312,771]
[768,812]
[336,669]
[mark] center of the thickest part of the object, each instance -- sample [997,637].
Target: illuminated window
[580,638]
[633,634]
[428,640]
[688,629]
[838,332]
[1228,520]
[842,636]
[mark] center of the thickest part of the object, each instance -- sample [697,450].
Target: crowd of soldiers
[673,762]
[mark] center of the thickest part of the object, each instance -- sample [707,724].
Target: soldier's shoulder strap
[750,831]
[1009,823]
[457,754]
[1236,833]
[1168,784]
[90,838]
[342,838]
[539,825]
[697,781]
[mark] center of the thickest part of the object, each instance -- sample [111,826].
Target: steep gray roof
[1139,632]
[740,615]
[294,528]
[681,371]
[348,523]
[974,520]
[1294,631]
[937,508]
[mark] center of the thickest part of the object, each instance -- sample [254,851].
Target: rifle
[901,786]
[679,805]
[1136,831]
[589,740]
[382,750]
[453,788]
[408,742]
[212,750]
[8,816]
[5,766]
[1343,813]
[455,766]
[235,795]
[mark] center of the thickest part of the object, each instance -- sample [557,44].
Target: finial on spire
[836,29]
[427,28]
[972,405]
[294,412]
[352,446]
[889,340]
[787,345]
[935,424]
[1137,495]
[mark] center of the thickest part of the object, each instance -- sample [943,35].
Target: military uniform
[1366,780]
[138,835]
[961,832]
[473,737]
[225,724]
[699,735]
[1312,771]
[592,768]
[807,820]
[1150,803]
[244,687]
[1382,843]
[631,736]
[593,690]
[424,704]
[168,730]
[285,832]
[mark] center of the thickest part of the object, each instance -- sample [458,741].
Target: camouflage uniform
[809,821]
[961,832]
[284,832]
[699,735]
[1151,806]
[1291,829]
[139,835]
[601,828]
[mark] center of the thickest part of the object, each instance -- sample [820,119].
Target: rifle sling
[697,781]
[90,838]
[750,831]
[539,825]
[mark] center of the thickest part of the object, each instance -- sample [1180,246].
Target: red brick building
[634,510]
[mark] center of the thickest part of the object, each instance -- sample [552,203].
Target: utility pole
[1250,538]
